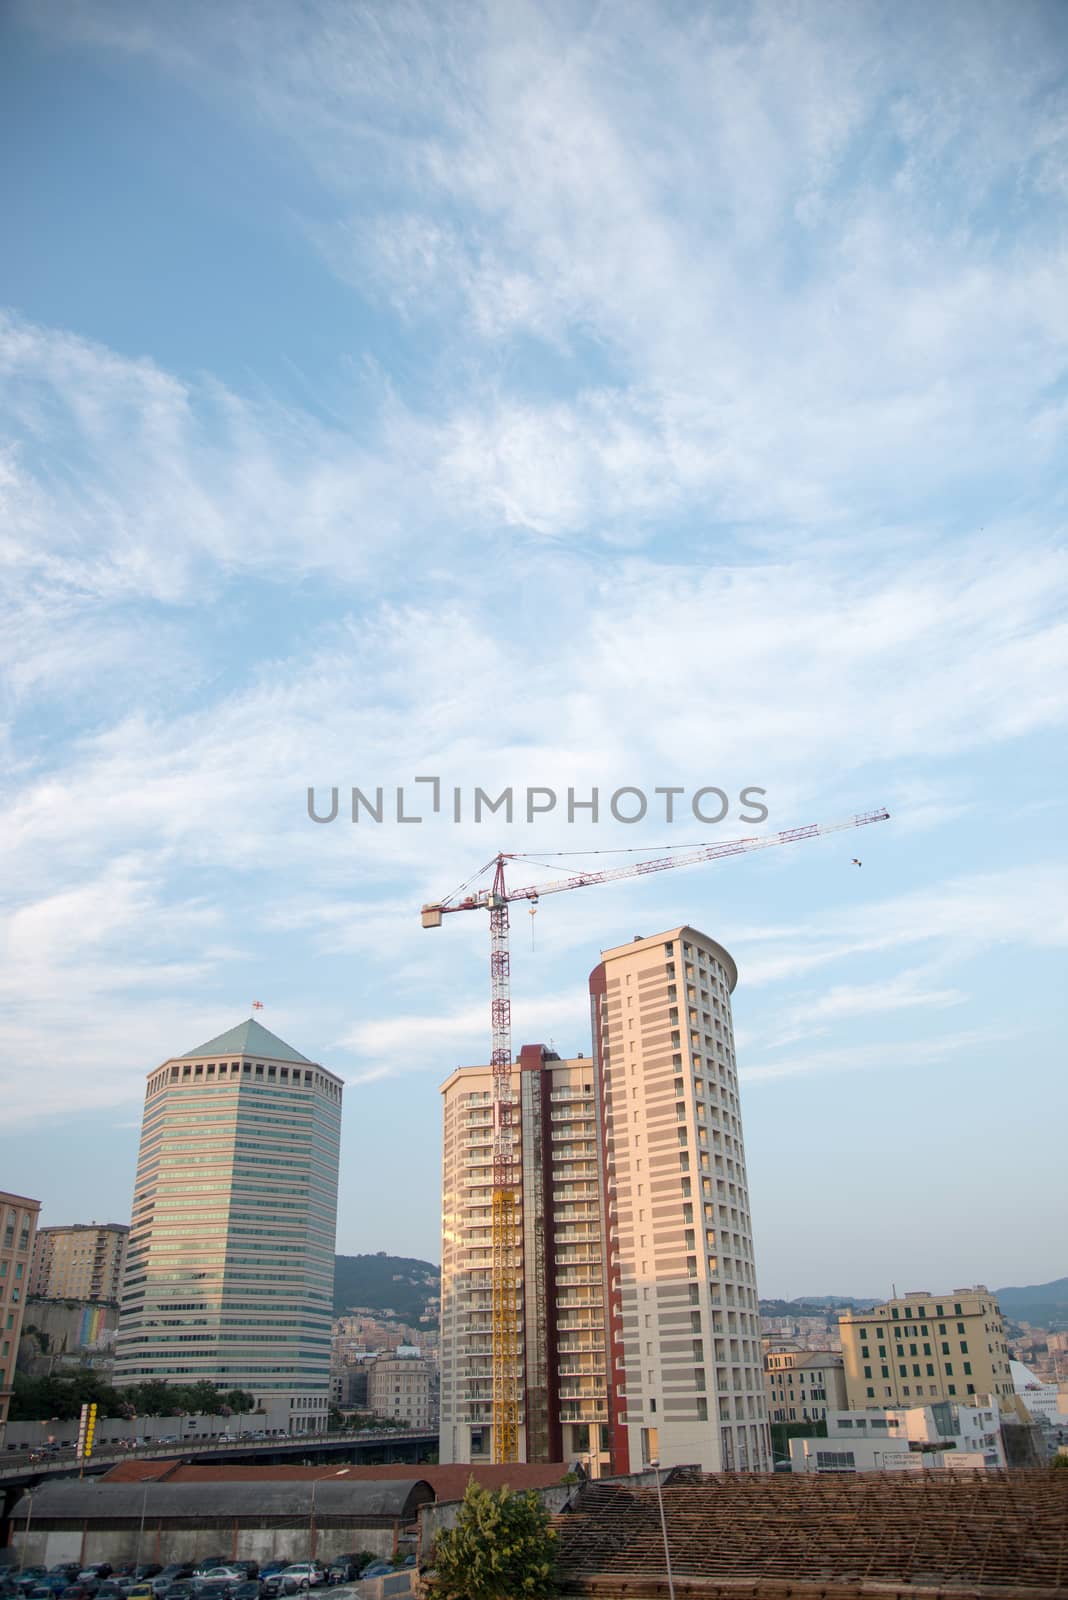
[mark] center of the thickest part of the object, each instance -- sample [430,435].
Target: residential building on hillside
[81,1262]
[230,1266]
[402,1387]
[18,1224]
[924,1347]
[636,1288]
[803,1385]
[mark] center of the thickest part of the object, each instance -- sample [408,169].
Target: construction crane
[506,1175]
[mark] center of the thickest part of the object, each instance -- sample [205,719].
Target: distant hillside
[826,1306]
[385,1283]
[1045,1305]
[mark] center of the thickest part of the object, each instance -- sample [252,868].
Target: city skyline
[555,397]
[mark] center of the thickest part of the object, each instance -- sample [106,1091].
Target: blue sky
[586,394]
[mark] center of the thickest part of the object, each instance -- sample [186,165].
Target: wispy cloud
[871,1057]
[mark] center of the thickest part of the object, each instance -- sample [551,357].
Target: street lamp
[26,1531]
[655,1464]
[141,1530]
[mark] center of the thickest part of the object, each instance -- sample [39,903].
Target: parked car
[234,1574]
[164,1580]
[139,1591]
[109,1590]
[78,1591]
[377,1569]
[208,1564]
[249,1569]
[247,1589]
[180,1589]
[214,1588]
[309,1574]
[282,1582]
[95,1572]
[343,1569]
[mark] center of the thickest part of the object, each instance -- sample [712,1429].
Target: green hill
[385,1284]
[1044,1305]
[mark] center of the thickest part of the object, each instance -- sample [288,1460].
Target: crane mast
[504,1276]
[505,1123]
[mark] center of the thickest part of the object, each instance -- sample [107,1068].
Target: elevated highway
[19,1471]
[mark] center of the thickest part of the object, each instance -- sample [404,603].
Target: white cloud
[778,251]
[909,990]
[872,1057]
[1022,905]
[417,1041]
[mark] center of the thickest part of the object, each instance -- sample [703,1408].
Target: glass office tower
[230,1267]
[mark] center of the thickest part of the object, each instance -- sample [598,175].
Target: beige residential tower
[80,1262]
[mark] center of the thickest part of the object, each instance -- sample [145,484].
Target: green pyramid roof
[247,1039]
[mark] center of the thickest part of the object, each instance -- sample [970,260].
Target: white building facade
[918,1438]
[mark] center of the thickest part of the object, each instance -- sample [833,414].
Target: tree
[41,1399]
[240,1401]
[502,1548]
[154,1398]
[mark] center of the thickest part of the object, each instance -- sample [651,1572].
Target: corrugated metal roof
[273,1497]
[448,1482]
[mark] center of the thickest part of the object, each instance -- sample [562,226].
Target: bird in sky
[857,863]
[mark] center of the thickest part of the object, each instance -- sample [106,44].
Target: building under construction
[628,1306]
